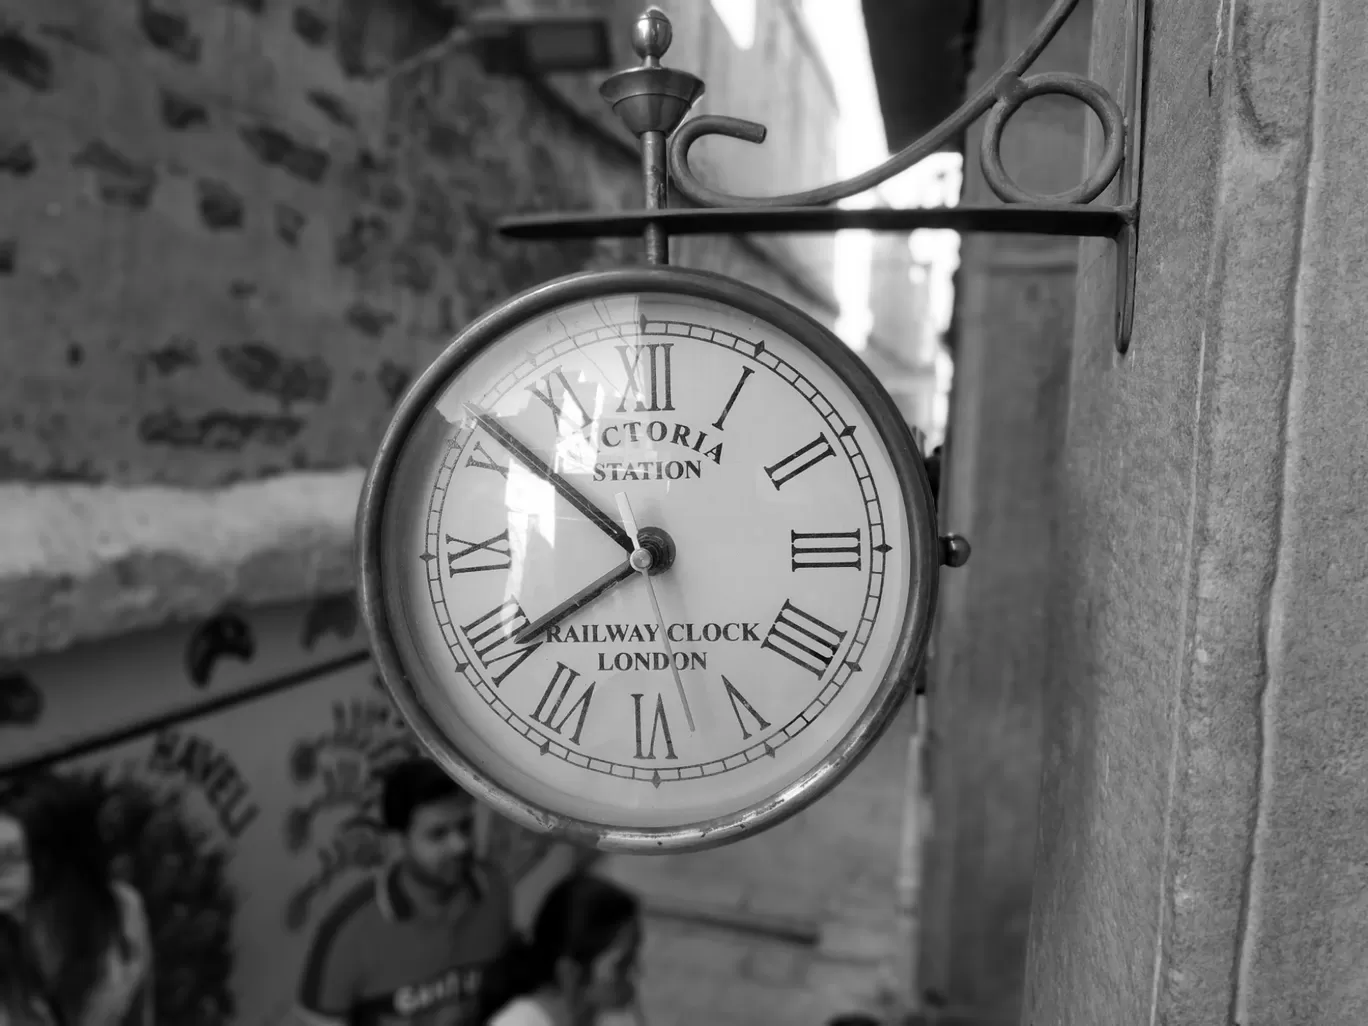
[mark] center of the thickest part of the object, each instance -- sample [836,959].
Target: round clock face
[646,556]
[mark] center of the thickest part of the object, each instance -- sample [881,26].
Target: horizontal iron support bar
[1074,219]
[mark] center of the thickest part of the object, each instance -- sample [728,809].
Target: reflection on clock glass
[764,500]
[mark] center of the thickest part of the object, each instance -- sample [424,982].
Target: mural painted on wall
[236,766]
[21,704]
[338,771]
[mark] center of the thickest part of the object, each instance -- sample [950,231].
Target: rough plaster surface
[86,562]
[991,661]
[1200,854]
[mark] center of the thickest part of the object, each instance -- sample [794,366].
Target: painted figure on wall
[423,941]
[339,820]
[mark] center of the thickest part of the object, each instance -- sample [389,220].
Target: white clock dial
[789,568]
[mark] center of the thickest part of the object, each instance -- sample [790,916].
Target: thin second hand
[625,508]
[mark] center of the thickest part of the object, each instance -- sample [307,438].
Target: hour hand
[575,602]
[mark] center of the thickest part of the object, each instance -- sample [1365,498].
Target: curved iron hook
[1014,93]
[1004,94]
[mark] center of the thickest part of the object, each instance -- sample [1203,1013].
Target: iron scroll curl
[653,102]
[1000,98]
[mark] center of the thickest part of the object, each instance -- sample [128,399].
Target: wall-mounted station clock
[648,556]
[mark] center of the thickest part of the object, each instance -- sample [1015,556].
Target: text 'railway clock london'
[649,634]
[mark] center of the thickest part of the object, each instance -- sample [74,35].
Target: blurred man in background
[413,946]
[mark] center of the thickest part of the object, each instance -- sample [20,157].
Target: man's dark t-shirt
[377,960]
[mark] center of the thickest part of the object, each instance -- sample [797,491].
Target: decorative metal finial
[651,101]
[652,35]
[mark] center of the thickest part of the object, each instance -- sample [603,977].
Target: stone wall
[1203,812]
[225,250]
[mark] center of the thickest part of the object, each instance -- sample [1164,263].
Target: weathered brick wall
[223,254]
[224,251]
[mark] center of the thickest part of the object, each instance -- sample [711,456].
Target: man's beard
[450,876]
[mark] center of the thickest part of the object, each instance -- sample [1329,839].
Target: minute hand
[534,463]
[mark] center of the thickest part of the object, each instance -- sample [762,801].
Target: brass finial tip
[652,35]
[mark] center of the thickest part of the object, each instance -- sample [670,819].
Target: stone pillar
[1205,797]
[1015,309]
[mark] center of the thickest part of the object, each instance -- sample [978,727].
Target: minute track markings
[842,435]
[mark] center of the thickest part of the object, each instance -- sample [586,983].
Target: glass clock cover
[783,576]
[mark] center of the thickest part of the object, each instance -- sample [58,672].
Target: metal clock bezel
[914,487]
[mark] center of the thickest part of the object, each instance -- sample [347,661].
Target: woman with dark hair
[87,933]
[581,959]
[23,995]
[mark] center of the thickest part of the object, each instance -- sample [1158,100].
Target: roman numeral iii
[803,639]
[823,549]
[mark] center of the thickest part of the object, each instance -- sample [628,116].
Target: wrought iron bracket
[652,100]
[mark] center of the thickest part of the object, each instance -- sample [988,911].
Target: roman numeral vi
[659,723]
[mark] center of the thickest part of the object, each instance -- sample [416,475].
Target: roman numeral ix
[496,546]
